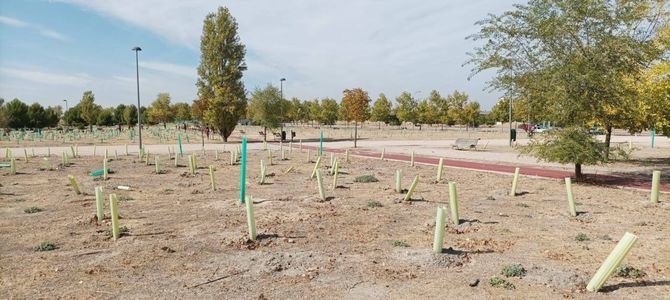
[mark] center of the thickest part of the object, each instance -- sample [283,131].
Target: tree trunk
[608,138]
[578,172]
[355,133]
[265,134]
[164,125]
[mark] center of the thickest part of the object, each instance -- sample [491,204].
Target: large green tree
[17,114]
[381,110]
[88,110]
[160,110]
[182,111]
[407,108]
[264,108]
[574,58]
[221,94]
[329,109]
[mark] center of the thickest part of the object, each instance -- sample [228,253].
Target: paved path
[632,181]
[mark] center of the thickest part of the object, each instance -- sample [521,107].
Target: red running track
[631,181]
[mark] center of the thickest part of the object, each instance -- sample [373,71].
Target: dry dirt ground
[185,241]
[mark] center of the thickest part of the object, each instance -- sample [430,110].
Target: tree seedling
[612,262]
[630,272]
[73,183]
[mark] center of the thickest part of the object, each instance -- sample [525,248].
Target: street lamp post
[139,113]
[281,107]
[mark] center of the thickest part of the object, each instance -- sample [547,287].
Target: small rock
[474,283]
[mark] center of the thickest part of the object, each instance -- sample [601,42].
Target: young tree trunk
[164,125]
[265,134]
[578,172]
[608,139]
[224,136]
[355,133]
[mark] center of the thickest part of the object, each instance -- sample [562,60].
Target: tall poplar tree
[221,95]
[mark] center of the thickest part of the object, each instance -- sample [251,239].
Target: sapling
[514,182]
[262,179]
[440,168]
[99,204]
[408,196]
[211,178]
[453,203]
[655,183]
[114,212]
[319,182]
[398,180]
[438,239]
[104,169]
[336,171]
[316,167]
[12,166]
[251,220]
[571,199]
[73,183]
[612,262]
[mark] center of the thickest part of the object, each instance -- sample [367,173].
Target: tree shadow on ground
[642,283]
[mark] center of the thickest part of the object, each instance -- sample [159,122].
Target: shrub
[630,272]
[398,243]
[374,204]
[513,271]
[366,179]
[32,210]
[581,237]
[45,246]
[498,282]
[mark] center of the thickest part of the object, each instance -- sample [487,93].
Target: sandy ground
[186,241]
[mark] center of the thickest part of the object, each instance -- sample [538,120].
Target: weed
[374,204]
[32,210]
[491,198]
[641,223]
[123,231]
[498,282]
[399,243]
[606,237]
[522,205]
[581,237]
[45,246]
[630,272]
[513,271]
[366,179]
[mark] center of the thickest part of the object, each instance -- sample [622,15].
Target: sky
[51,50]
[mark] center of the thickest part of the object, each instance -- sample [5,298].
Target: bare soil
[186,241]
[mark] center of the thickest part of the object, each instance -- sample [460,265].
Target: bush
[513,271]
[498,282]
[398,243]
[366,179]
[630,272]
[45,246]
[374,204]
[581,237]
[32,210]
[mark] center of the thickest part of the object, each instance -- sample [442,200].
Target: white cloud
[323,47]
[12,22]
[43,77]
[186,71]
[46,32]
